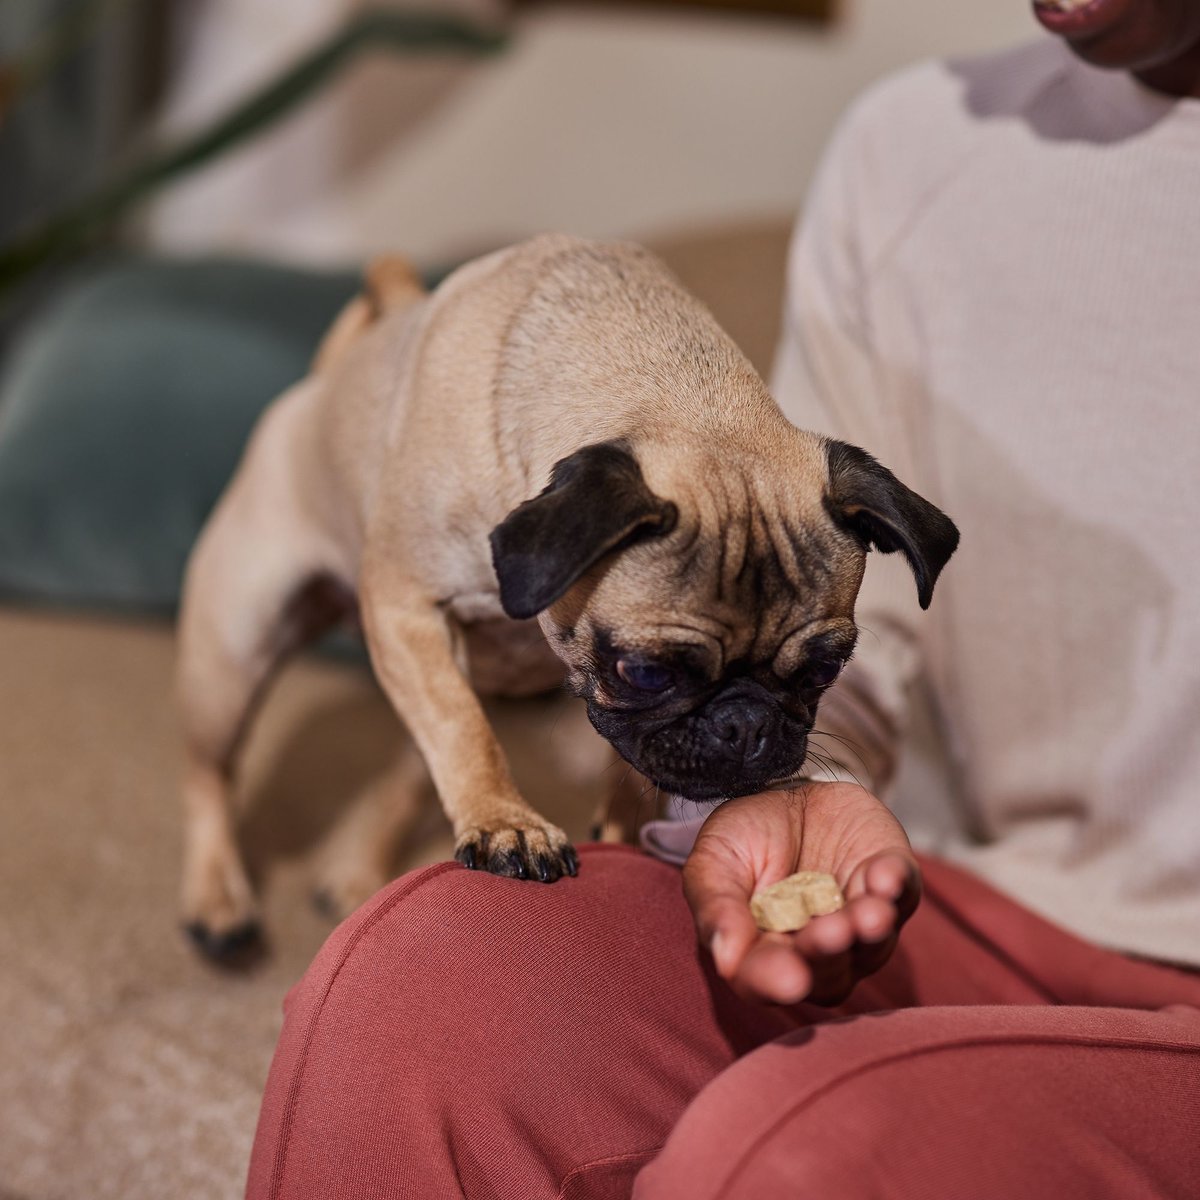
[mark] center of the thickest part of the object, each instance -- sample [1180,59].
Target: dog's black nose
[742,728]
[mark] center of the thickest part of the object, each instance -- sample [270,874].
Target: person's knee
[447,946]
[455,997]
[940,1103]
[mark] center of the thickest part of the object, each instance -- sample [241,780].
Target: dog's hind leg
[259,584]
[358,858]
[628,804]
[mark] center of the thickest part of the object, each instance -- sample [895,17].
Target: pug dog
[561,442]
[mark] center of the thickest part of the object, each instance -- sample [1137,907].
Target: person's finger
[727,928]
[867,919]
[872,917]
[881,880]
[887,876]
[773,971]
[835,976]
[892,876]
[843,947]
[825,936]
[720,902]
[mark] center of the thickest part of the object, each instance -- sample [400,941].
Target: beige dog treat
[787,905]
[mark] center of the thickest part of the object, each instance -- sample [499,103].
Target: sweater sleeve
[830,376]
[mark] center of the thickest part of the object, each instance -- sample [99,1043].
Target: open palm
[749,843]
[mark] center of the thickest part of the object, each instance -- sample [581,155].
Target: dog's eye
[645,676]
[819,674]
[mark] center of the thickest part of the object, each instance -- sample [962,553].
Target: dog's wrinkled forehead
[741,572]
[752,565]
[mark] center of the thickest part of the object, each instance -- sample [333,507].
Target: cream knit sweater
[996,289]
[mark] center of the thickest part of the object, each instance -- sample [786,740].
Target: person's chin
[1118,35]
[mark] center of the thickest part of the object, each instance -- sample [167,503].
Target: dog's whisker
[869,631]
[845,741]
[628,772]
[654,802]
[834,768]
[833,764]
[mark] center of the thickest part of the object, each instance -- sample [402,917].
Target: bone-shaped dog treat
[787,905]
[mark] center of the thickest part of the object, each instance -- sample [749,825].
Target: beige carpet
[129,1069]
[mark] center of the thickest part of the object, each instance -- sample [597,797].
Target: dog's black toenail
[466,856]
[570,860]
[544,870]
[507,863]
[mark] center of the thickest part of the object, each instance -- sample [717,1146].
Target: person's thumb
[718,890]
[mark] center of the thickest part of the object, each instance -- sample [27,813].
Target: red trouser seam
[923,1051]
[310,1030]
[574,1172]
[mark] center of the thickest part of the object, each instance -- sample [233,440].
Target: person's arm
[829,377]
[832,376]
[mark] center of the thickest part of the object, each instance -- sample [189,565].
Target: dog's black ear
[596,502]
[866,499]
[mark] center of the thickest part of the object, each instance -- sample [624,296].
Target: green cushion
[123,412]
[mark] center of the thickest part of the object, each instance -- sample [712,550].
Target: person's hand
[749,843]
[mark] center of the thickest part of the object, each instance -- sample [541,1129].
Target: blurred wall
[602,122]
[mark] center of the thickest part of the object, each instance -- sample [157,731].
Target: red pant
[464,1035]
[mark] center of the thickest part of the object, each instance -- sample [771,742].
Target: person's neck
[1179,77]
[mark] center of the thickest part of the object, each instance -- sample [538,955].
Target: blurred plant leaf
[21,73]
[73,230]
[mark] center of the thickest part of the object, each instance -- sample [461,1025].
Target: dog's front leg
[415,648]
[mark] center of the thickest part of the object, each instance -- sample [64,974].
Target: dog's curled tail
[390,282]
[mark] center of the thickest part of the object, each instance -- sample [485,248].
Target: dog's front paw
[527,848]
